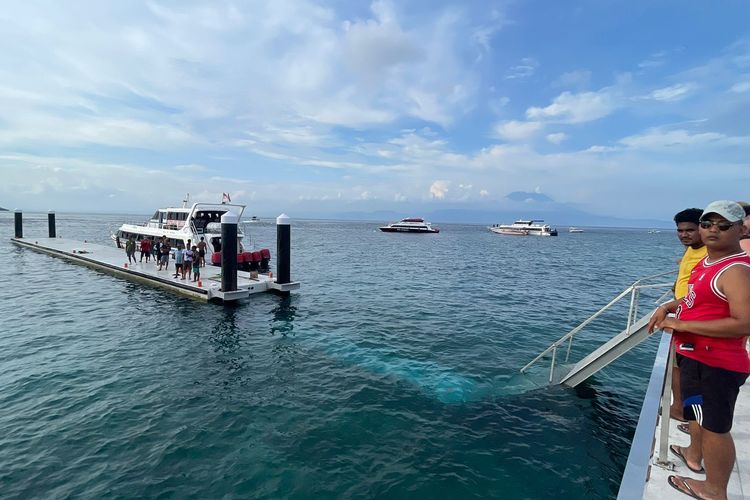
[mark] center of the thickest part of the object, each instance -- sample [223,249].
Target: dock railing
[633,291]
[656,402]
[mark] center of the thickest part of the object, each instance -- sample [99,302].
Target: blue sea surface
[392,372]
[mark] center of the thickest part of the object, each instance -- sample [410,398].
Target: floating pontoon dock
[114,261]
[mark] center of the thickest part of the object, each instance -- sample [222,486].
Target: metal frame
[633,290]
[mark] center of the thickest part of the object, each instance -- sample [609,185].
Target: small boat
[575,230]
[410,225]
[252,220]
[524,228]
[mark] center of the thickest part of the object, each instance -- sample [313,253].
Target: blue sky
[632,109]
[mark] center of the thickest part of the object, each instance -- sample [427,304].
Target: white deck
[739,484]
[114,261]
[644,477]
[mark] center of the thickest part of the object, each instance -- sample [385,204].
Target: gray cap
[730,210]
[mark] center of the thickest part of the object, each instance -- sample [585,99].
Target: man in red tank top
[710,327]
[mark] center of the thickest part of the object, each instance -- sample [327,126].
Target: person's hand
[668,323]
[655,322]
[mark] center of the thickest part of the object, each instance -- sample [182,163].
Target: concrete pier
[113,261]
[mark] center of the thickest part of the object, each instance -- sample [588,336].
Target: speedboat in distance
[410,225]
[575,230]
[524,228]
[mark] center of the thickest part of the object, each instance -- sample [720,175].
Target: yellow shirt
[688,262]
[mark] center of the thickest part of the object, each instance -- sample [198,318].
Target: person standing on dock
[179,259]
[196,265]
[187,265]
[145,249]
[201,252]
[710,328]
[130,249]
[687,231]
[164,253]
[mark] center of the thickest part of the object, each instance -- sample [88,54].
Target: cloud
[657,139]
[439,189]
[576,108]
[654,60]
[672,93]
[516,131]
[524,69]
[740,87]
[578,79]
[557,138]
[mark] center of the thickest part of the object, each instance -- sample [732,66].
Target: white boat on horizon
[575,230]
[524,228]
[410,225]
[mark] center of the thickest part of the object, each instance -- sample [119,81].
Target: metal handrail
[632,289]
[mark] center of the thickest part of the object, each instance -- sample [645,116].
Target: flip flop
[677,450]
[684,428]
[687,491]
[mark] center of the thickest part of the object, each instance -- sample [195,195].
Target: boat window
[156,215]
[202,218]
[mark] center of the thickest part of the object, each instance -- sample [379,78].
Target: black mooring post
[229,252]
[19,224]
[283,249]
[51,224]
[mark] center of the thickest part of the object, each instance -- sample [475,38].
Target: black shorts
[177,266]
[709,394]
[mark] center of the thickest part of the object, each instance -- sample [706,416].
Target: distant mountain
[524,196]
[555,214]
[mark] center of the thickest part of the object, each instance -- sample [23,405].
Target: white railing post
[552,366]
[666,403]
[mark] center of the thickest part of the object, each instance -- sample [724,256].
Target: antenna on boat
[186,200]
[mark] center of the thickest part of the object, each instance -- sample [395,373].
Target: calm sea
[392,373]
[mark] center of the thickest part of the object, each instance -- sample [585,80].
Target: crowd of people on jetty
[188,258]
[710,321]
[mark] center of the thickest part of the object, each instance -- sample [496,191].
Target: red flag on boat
[225,197]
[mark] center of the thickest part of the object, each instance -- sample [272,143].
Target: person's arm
[735,284]
[661,313]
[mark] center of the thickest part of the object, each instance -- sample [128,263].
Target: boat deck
[645,477]
[739,482]
[114,261]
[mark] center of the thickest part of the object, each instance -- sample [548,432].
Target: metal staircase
[634,333]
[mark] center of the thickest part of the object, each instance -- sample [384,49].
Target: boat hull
[521,232]
[387,229]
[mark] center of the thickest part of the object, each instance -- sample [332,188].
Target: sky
[632,108]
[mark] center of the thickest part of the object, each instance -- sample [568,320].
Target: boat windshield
[208,221]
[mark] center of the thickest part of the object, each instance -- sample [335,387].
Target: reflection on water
[225,336]
[283,316]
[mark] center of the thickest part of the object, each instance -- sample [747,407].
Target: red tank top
[704,302]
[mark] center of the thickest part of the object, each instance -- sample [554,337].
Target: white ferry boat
[524,228]
[180,224]
[410,225]
[575,230]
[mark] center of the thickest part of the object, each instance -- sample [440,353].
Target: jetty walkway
[113,260]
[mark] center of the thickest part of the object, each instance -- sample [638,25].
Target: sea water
[392,373]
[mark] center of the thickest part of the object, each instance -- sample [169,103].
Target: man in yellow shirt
[687,232]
